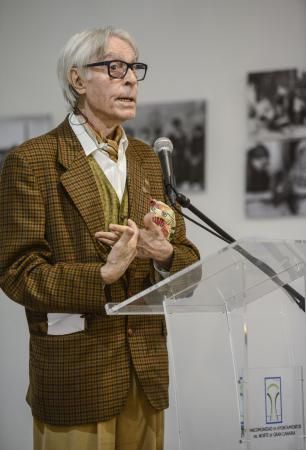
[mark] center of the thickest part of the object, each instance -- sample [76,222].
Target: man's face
[261,163]
[111,100]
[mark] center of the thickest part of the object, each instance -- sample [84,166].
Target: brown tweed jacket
[50,261]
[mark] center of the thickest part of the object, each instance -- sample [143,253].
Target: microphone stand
[221,234]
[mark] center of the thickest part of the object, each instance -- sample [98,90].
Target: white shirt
[114,171]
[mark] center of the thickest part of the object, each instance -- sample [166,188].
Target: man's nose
[130,76]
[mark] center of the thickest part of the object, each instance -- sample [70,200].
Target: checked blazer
[50,261]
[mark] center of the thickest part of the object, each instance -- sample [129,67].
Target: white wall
[228,37]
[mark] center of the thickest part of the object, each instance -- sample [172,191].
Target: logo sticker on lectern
[273,400]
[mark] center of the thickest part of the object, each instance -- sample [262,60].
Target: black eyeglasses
[118,69]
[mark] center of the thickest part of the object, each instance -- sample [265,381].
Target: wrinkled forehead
[118,47]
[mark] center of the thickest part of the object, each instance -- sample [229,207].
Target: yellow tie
[109,145]
[113,144]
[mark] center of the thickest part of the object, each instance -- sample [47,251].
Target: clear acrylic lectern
[232,336]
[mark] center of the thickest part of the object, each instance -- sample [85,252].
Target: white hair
[80,50]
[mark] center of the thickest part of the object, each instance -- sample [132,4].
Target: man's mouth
[126,99]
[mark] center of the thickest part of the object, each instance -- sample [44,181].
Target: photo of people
[276,179]
[276,104]
[184,124]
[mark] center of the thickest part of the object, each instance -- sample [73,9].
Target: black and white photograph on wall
[276,102]
[16,130]
[276,179]
[184,124]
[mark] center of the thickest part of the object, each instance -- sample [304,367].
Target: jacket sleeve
[185,252]
[28,275]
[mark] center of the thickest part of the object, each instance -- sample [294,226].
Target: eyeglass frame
[128,66]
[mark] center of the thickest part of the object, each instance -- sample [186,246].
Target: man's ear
[77,82]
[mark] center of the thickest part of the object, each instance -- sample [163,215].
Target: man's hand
[153,244]
[124,250]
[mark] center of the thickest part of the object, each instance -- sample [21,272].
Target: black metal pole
[185,202]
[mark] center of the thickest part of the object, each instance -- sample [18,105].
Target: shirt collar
[87,143]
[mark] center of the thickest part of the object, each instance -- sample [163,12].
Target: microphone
[163,148]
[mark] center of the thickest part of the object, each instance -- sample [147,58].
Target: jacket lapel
[139,201]
[79,182]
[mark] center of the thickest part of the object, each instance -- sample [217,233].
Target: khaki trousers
[138,427]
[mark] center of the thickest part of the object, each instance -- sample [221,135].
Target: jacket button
[130,332]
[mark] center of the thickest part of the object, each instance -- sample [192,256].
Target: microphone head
[163,143]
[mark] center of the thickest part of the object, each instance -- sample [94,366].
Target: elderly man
[76,232]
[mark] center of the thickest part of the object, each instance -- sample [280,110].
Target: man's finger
[118,229]
[106,235]
[150,225]
[136,230]
[127,235]
[109,242]
[132,224]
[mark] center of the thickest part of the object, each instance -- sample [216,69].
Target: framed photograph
[276,179]
[276,103]
[184,124]
[15,130]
